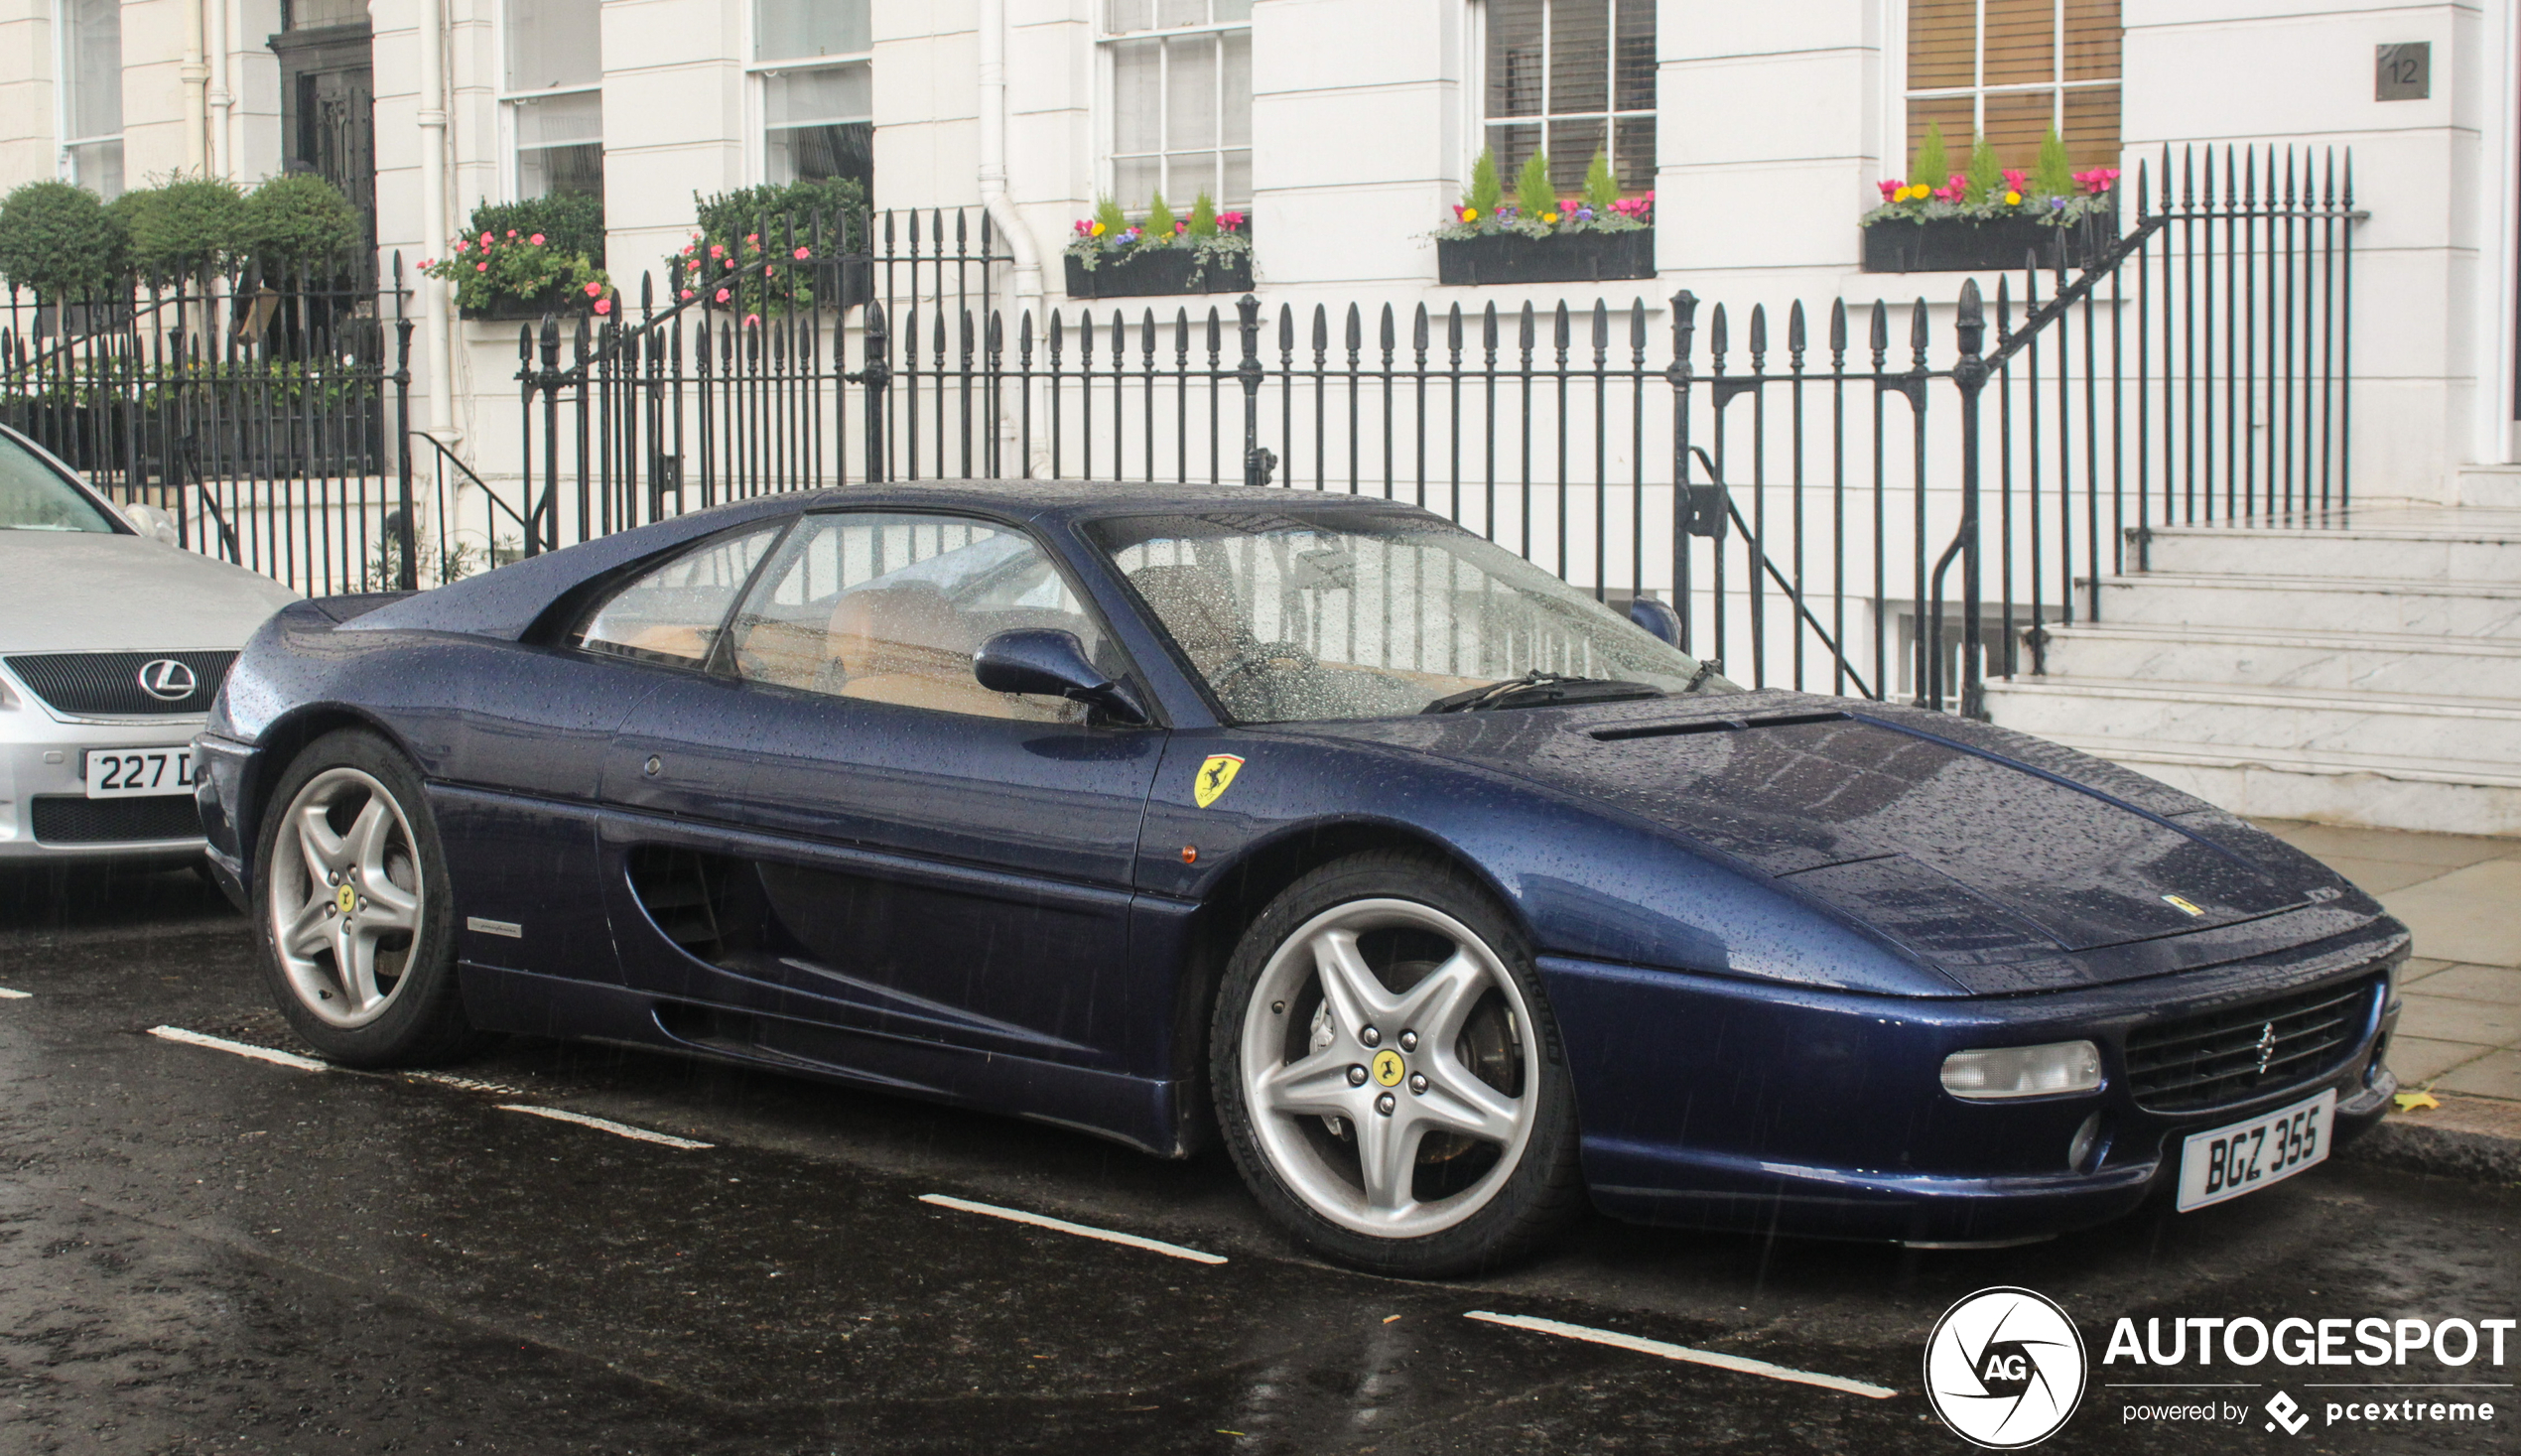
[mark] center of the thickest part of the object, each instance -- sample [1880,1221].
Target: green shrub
[571,222]
[1108,216]
[1601,184]
[185,227]
[2053,176]
[1933,165]
[1534,197]
[297,221]
[1202,221]
[1986,173]
[1160,220]
[835,202]
[1485,191]
[59,240]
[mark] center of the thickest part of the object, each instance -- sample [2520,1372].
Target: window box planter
[1563,257]
[1983,245]
[1157,271]
[565,304]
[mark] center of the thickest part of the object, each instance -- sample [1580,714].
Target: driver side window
[889,607]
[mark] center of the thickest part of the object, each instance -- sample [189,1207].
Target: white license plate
[2247,1156]
[134,773]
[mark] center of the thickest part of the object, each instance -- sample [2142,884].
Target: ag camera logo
[2005,1368]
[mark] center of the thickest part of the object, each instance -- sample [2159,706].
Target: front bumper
[1710,1102]
[44,757]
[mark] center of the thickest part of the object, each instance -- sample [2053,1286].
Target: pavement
[2459,1029]
[202,1251]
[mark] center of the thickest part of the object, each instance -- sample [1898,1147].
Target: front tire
[353,909]
[1388,1074]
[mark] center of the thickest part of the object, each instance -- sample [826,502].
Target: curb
[2477,1138]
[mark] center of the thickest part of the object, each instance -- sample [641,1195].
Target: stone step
[2453,740]
[2496,487]
[2314,603]
[2435,545]
[2340,663]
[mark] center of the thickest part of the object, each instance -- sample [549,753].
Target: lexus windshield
[34,498]
[1292,616]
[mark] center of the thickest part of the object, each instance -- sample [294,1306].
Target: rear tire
[1389,1075]
[352,908]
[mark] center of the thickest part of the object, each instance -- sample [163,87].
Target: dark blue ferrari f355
[1446,897]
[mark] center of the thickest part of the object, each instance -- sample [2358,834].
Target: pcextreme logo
[2005,1368]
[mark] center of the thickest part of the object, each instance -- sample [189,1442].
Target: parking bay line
[1082,1231]
[605,1125]
[241,1049]
[7,994]
[1735,1362]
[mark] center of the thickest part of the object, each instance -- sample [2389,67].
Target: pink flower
[464,245]
[428,263]
[481,267]
[687,293]
[511,232]
[688,247]
[1888,188]
[536,239]
[722,296]
[603,306]
[594,290]
[485,239]
[2017,180]
[802,254]
[729,262]
[717,250]
[755,238]
[771,271]
[751,319]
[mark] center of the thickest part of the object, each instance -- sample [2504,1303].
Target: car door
[840,831]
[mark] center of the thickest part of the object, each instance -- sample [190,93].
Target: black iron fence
[260,413]
[1889,499]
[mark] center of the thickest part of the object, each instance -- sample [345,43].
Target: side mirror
[1051,663]
[1657,617]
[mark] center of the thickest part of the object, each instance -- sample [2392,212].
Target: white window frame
[65,164]
[1108,114]
[757,75]
[1978,91]
[1475,73]
[509,101]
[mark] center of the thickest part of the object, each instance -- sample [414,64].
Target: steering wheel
[1276,656]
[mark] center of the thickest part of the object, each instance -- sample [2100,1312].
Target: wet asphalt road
[204,1253]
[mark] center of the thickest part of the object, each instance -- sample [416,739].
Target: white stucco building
[1345,127]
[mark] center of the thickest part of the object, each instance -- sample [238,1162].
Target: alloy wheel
[346,897]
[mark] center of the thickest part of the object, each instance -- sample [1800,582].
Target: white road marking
[1683,1352]
[241,1049]
[7,994]
[602,1125]
[1082,1231]
[466,1084]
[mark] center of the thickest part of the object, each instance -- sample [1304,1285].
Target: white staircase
[2366,671]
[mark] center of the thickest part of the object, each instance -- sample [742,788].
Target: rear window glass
[674,613]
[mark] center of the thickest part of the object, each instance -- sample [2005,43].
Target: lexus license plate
[2247,1156]
[133,773]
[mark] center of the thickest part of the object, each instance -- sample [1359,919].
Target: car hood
[86,591]
[1975,847]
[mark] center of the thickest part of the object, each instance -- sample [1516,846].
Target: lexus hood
[1973,847]
[88,592]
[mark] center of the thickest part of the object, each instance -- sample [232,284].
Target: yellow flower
[1470,214]
[1098,229]
[2013,199]
[1549,217]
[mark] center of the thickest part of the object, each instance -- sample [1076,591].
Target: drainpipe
[222,100]
[994,199]
[195,76]
[440,327]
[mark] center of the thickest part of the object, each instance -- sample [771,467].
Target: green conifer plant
[1160,220]
[1488,190]
[1601,184]
[1986,173]
[1534,197]
[2053,176]
[1203,216]
[1933,165]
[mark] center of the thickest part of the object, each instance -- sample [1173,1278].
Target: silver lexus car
[112,643]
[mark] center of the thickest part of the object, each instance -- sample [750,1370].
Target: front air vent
[685,892]
[1713,726]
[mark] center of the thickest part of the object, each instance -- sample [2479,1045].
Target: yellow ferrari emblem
[346,900]
[2184,907]
[1387,1067]
[1215,777]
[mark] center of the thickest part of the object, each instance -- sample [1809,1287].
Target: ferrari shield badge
[346,900]
[2184,907]
[1387,1067]
[1215,777]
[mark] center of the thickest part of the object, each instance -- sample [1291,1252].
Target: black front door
[329,112]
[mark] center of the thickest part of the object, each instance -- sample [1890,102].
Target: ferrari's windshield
[34,498]
[1370,613]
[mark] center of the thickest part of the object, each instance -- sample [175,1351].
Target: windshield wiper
[1536,688]
[1707,667]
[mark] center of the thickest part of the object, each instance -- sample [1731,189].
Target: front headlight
[1997,1073]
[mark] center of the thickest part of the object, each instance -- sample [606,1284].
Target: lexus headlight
[2022,1071]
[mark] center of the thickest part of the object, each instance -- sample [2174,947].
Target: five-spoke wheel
[356,927]
[1383,1073]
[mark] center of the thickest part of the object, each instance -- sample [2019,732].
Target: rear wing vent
[1714,726]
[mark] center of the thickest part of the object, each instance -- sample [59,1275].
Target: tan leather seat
[907,645]
[1197,608]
